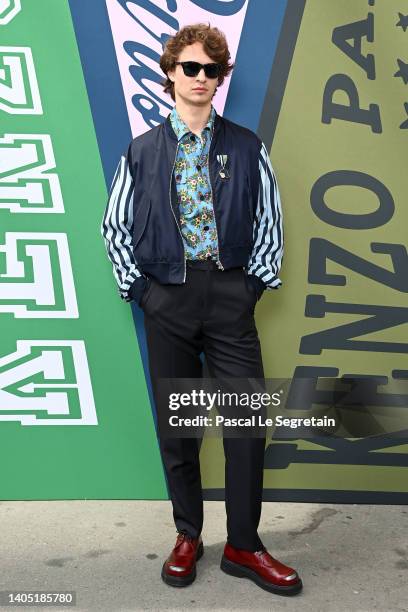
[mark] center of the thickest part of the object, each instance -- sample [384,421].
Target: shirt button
[206,227]
[192,137]
[202,197]
[178,177]
[198,167]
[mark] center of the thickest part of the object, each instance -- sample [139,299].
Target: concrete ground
[350,557]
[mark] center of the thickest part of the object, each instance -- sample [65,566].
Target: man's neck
[195,117]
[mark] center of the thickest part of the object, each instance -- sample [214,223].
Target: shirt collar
[181,129]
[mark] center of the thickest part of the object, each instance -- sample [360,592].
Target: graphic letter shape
[26,185]
[38,265]
[8,10]
[19,93]
[47,382]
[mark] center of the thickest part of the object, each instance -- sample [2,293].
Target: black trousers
[213,313]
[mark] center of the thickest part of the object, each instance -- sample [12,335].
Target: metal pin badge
[222,160]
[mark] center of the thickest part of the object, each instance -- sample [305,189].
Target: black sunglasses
[191,69]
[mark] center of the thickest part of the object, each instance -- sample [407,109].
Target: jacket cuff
[137,288]
[258,284]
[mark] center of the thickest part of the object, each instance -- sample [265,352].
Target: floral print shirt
[194,190]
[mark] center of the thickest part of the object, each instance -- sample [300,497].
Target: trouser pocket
[249,286]
[146,293]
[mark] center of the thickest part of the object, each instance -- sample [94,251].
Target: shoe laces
[183,536]
[263,551]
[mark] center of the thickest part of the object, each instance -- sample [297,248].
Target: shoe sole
[240,571]
[182,581]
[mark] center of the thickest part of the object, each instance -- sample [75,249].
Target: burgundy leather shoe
[260,567]
[179,569]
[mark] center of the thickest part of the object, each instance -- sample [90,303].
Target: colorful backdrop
[324,84]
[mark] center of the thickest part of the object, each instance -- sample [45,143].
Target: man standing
[193,227]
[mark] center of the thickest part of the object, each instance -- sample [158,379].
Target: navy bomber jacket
[141,224]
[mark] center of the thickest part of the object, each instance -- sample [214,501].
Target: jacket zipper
[219,264]
[178,227]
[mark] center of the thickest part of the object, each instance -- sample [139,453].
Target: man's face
[198,90]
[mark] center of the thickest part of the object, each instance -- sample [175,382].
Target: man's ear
[170,75]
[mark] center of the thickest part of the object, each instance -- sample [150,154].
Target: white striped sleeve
[267,253]
[117,229]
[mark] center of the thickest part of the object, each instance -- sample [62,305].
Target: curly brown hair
[214,43]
